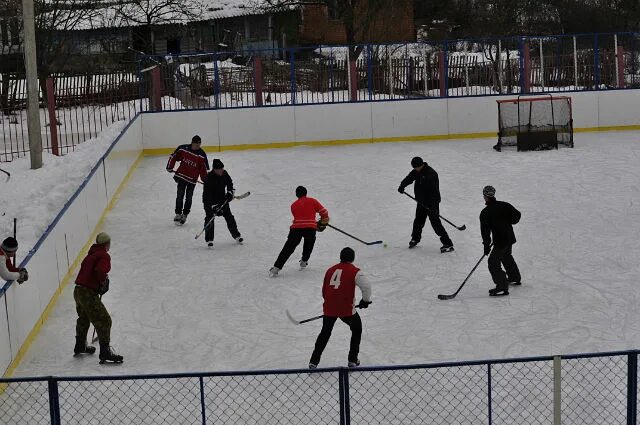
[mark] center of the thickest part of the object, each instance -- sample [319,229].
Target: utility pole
[33,92]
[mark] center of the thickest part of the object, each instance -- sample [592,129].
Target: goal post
[535,123]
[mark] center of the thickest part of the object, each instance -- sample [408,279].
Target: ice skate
[413,243]
[446,248]
[273,271]
[354,364]
[82,348]
[178,219]
[239,239]
[303,264]
[107,355]
[313,366]
[183,218]
[496,292]
[210,244]
[515,283]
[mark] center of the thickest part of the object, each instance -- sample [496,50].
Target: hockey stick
[451,296]
[241,196]
[353,237]
[299,322]
[94,338]
[7,173]
[461,228]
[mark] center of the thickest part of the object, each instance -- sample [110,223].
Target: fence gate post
[596,60]
[216,81]
[632,388]
[557,390]
[156,90]
[619,50]
[257,79]
[489,391]
[370,71]
[500,77]
[54,401]
[53,121]
[526,68]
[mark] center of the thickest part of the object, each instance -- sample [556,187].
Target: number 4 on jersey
[336,278]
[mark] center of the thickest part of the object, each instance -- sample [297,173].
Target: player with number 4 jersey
[338,291]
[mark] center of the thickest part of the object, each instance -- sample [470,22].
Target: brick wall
[393,23]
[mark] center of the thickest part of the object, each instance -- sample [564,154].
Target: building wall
[393,23]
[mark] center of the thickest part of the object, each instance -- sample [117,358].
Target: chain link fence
[579,389]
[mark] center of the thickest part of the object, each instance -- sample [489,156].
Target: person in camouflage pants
[92,282]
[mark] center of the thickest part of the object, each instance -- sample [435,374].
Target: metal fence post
[216,82]
[156,90]
[353,76]
[557,390]
[345,410]
[526,67]
[54,401]
[53,121]
[596,60]
[202,405]
[489,407]
[632,388]
[441,70]
[369,71]
[446,69]
[500,66]
[257,79]
[292,76]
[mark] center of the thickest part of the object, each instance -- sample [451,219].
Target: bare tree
[357,16]
[150,13]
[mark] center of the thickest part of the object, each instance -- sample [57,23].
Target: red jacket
[304,213]
[339,290]
[193,164]
[94,267]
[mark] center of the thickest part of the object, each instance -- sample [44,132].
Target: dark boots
[107,355]
[82,347]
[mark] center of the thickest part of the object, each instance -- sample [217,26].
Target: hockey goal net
[535,123]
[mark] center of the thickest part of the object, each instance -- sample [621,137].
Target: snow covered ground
[178,306]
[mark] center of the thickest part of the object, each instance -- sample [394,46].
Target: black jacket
[497,220]
[426,188]
[216,188]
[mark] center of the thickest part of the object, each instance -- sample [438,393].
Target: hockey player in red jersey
[193,164]
[304,226]
[339,291]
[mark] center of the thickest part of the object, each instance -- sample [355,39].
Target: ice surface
[178,306]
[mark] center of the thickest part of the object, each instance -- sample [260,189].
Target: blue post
[54,401]
[369,72]
[446,69]
[596,60]
[292,76]
[489,412]
[341,395]
[632,388]
[204,416]
[216,82]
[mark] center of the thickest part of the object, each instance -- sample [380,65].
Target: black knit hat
[216,164]
[301,191]
[347,255]
[416,161]
[489,191]
[196,139]
[9,245]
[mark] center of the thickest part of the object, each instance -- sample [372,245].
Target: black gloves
[487,249]
[24,275]
[364,304]
[321,226]
[103,288]
[401,189]
[229,196]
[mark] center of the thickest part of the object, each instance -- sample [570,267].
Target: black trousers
[355,324]
[501,256]
[185,192]
[229,218]
[433,213]
[293,240]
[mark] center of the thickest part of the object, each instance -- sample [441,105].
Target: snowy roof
[182,12]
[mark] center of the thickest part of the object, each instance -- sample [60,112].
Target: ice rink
[178,306]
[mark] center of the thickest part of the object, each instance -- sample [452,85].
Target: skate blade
[110,362]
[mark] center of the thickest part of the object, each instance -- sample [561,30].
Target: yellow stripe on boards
[424,138]
[68,276]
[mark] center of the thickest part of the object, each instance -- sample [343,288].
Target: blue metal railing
[595,388]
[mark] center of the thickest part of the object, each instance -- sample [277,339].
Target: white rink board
[470,116]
